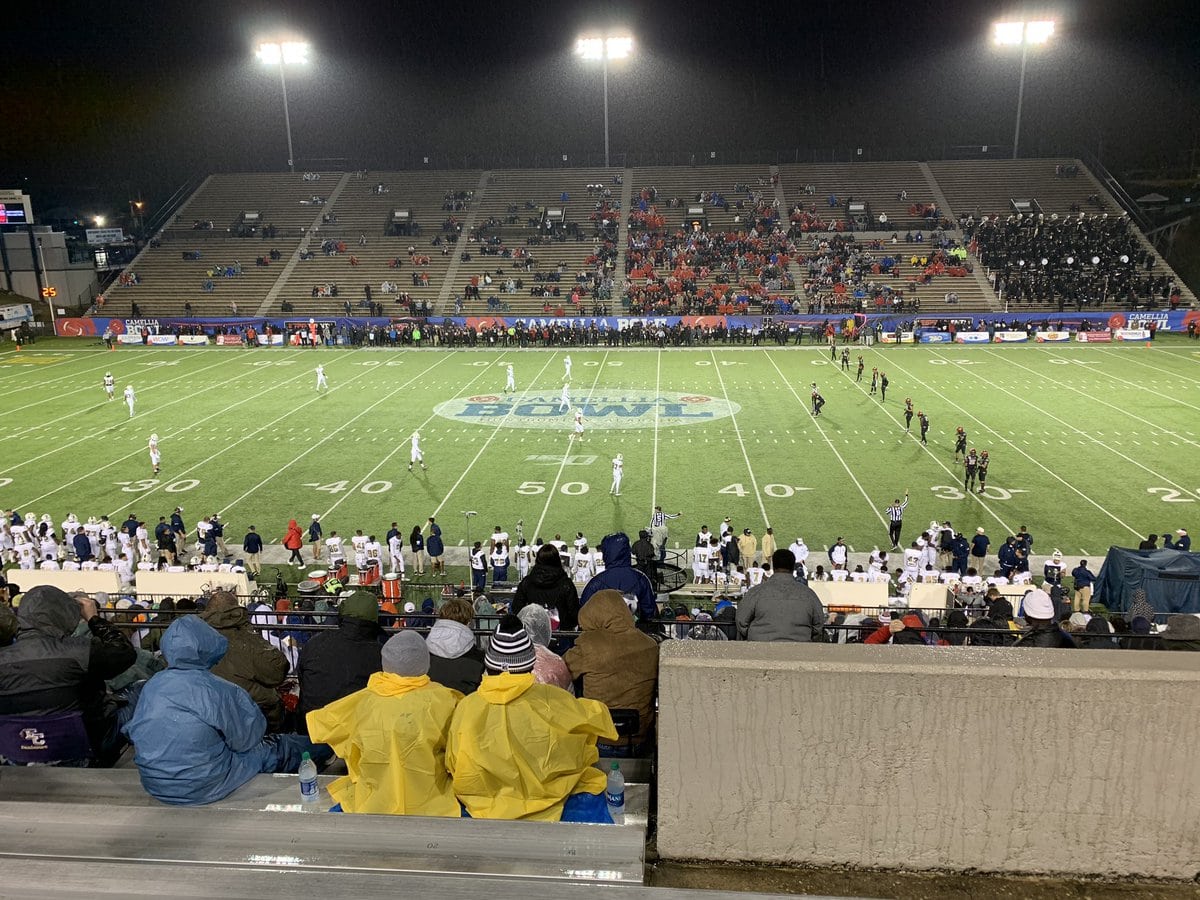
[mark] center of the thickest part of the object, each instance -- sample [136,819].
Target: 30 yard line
[738,431]
[1005,440]
[821,431]
[567,452]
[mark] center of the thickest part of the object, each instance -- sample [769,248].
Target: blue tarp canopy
[1167,580]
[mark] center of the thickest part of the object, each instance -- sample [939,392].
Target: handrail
[1110,183]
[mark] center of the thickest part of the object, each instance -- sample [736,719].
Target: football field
[1090,446]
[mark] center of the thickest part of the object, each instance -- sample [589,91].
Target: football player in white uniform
[155,456]
[618,466]
[564,399]
[416,455]
[510,383]
[567,367]
[130,399]
[578,435]
[110,384]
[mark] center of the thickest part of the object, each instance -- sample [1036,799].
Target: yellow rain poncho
[518,750]
[392,735]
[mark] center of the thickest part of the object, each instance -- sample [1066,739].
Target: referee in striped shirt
[658,531]
[895,514]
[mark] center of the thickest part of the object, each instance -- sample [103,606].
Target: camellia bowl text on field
[624,409]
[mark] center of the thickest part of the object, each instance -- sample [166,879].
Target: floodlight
[99,221]
[1038,32]
[590,48]
[1008,32]
[604,49]
[273,54]
[618,47]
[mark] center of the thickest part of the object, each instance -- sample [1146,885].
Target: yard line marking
[654,465]
[1114,406]
[563,464]
[167,437]
[122,421]
[738,431]
[821,432]
[1137,360]
[1037,463]
[495,431]
[78,412]
[74,375]
[331,434]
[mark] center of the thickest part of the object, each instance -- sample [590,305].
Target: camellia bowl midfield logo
[624,409]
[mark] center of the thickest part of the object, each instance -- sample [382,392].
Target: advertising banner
[972,337]
[935,337]
[275,340]
[229,340]
[192,340]
[129,338]
[98,236]
[14,315]
[1011,337]
[889,337]
[1133,334]
[1053,337]
[1094,337]
[162,340]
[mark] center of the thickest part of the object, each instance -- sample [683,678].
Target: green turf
[1090,446]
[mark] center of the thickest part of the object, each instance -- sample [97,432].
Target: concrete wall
[1003,760]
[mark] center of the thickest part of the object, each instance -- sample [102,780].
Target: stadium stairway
[619,278]
[305,243]
[468,226]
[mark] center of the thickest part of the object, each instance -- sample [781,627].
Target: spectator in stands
[1182,633]
[199,737]
[620,575]
[392,735]
[249,661]
[548,585]
[613,661]
[906,630]
[454,658]
[1041,619]
[48,670]
[781,608]
[549,667]
[522,750]
[335,664]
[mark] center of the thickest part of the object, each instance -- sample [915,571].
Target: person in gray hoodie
[781,608]
[455,659]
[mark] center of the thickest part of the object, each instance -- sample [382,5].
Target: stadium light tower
[284,53]
[1007,34]
[604,49]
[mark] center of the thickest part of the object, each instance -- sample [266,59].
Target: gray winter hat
[406,654]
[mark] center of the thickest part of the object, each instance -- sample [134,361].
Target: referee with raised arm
[658,531]
[895,514]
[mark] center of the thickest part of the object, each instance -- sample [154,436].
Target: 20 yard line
[566,453]
[738,431]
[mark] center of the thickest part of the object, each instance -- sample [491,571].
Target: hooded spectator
[620,575]
[614,662]
[250,662]
[455,659]
[548,585]
[1042,630]
[1182,632]
[1098,635]
[199,737]
[48,670]
[549,667]
[956,623]
[334,664]
[1138,637]
[392,735]
[522,750]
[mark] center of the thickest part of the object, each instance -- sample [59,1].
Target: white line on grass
[654,465]
[14,372]
[1154,472]
[335,431]
[821,431]
[1137,359]
[1005,440]
[567,452]
[76,413]
[168,437]
[1119,409]
[953,475]
[738,431]
[491,437]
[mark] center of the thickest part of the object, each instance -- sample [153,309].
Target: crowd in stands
[1076,261]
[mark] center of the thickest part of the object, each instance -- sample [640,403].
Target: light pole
[1023,33]
[282,54]
[604,49]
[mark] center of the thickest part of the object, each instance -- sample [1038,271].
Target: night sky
[112,101]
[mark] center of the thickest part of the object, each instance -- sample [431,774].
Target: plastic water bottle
[309,791]
[614,793]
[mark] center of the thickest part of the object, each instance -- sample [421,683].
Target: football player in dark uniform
[817,400]
[845,359]
[983,467]
[861,365]
[960,443]
[883,383]
[971,464]
[874,380]
[908,413]
[924,420]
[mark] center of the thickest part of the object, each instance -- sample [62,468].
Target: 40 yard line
[738,431]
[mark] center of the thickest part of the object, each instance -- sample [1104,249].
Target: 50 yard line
[567,452]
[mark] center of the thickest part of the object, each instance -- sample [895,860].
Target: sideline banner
[1133,334]
[275,340]
[129,338]
[162,339]
[935,337]
[1011,337]
[193,340]
[972,337]
[1094,337]
[1053,337]
[229,340]
[889,337]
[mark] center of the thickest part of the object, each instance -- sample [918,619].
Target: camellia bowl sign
[616,410]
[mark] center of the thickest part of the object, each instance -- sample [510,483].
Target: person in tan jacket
[747,546]
[617,663]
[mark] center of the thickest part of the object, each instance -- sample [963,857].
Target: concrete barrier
[991,759]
